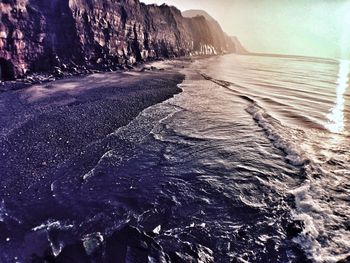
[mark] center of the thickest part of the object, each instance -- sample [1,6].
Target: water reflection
[336,118]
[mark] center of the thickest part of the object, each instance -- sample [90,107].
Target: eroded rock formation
[39,35]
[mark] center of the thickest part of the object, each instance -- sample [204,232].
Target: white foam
[157,229]
[52,224]
[3,212]
[91,173]
[278,135]
[56,248]
[324,237]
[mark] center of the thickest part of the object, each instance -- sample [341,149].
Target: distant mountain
[239,48]
[220,38]
[197,12]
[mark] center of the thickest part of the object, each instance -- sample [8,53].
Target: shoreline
[50,132]
[55,120]
[37,78]
[61,129]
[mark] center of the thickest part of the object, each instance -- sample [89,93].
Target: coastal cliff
[239,48]
[221,40]
[42,35]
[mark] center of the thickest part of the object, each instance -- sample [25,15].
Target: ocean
[249,163]
[278,126]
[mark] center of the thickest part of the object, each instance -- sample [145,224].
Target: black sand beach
[45,125]
[60,130]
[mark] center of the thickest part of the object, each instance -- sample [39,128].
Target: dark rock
[294,228]
[127,244]
[131,245]
[121,67]
[345,260]
[347,225]
[189,251]
[144,69]
[73,254]
[192,253]
[199,252]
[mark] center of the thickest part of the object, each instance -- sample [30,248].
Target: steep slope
[221,39]
[240,49]
[39,35]
[198,12]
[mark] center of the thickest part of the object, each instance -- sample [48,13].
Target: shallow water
[303,107]
[251,144]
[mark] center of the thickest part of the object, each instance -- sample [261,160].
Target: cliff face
[240,49]
[21,37]
[38,35]
[221,40]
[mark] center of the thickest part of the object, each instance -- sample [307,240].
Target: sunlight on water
[336,118]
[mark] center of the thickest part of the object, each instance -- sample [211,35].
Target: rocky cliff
[240,49]
[220,39]
[41,35]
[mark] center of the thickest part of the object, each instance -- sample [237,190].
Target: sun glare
[336,118]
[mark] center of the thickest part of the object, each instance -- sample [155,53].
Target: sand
[43,126]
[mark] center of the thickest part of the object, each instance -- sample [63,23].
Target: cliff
[240,49]
[43,35]
[221,40]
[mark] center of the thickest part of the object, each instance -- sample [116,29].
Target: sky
[319,28]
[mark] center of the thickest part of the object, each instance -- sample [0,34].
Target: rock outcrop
[127,244]
[46,35]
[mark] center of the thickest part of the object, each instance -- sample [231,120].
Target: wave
[272,127]
[323,231]
[324,237]
[276,135]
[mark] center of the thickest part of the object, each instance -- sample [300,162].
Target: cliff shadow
[7,71]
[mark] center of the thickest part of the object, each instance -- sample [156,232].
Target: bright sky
[301,27]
